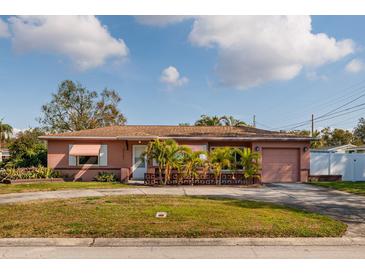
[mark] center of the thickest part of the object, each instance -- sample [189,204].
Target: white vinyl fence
[350,165]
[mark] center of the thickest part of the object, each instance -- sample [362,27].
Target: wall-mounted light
[305,149]
[139,142]
[257,148]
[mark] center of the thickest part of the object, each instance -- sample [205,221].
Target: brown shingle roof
[129,131]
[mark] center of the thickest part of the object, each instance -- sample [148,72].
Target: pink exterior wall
[120,156]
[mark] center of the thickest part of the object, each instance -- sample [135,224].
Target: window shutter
[71,159]
[103,156]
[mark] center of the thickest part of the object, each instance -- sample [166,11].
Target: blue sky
[211,67]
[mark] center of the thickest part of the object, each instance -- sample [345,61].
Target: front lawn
[52,186]
[134,216]
[350,187]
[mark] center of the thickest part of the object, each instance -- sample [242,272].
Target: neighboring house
[117,149]
[338,149]
[4,154]
[357,149]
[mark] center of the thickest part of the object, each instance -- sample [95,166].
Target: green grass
[134,216]
[350,187]
[52,186]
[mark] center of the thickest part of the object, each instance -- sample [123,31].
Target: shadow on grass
[243,203]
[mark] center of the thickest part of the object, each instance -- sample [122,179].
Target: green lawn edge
[349,187]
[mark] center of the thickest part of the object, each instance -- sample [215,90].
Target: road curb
[156,242]
[76,242]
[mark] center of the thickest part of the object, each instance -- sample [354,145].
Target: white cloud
[354,66]
[257,49]
[172,78]
[4,30]
[81,38]
[161,20]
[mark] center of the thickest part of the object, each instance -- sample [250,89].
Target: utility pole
[254,121]
[312,131]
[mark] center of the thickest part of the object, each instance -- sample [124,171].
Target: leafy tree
[341,137]
[6,132]
[184,124]
[74,108]
[27,150]
[330,137]
[338,137]
[359,132]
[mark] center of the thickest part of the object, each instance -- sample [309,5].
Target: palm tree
[168,155]
[5,132]
[226,120]
[206,120]
[221,158]
[156,150]
[174,158]
[192,162]
[231,121]
[249,161]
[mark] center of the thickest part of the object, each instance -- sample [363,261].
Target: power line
[346,104]
[328,114]
[355,91]
[351,91]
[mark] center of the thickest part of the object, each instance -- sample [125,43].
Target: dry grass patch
[134,216]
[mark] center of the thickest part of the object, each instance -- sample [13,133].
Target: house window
[87,160]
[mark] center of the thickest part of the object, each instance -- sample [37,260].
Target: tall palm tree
[221,158]
[231,121]
[5,132]
[206,120]
[249,161]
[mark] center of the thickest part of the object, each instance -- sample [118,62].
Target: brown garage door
[280,165]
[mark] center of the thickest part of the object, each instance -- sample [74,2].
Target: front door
[139,167]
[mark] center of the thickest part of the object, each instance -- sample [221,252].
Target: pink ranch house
[117,149]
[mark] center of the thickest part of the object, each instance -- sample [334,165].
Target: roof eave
[48,137]
[210,138]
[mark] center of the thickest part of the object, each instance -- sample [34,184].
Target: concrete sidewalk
[228,248]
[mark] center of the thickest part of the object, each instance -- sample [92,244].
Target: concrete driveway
[346,207]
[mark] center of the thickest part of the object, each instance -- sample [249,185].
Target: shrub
[28,173]
[27,150]
[105,177]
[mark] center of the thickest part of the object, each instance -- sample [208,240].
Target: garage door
[280,165]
